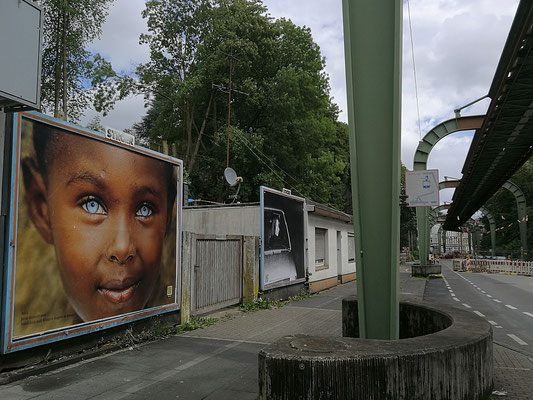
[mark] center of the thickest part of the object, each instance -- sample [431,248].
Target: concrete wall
[322,277]
[243,220]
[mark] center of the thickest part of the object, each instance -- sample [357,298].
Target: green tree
[68,69]
[407,215]
[283,128]
[503,204]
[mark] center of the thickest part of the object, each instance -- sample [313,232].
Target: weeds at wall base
[268,304]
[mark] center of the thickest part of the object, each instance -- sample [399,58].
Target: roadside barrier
[516,267]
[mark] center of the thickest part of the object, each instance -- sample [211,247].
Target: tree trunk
[64,67]
[192,159]
[57,67]
[189,115]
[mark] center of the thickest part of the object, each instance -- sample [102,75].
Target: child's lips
[119,291]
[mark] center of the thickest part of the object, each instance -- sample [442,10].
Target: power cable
[414,68]
[269,159]
[268,166]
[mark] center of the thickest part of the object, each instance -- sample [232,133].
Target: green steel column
[423,234]
[373,45]
[439,235]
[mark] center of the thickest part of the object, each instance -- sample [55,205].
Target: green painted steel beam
[521,211]
[492,226]
[373,47]
[421,156]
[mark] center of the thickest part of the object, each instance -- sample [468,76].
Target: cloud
[457,45]
[119,42]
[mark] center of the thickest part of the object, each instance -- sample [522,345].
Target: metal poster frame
[8,342]
[264,286]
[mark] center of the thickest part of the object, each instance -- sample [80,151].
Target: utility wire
[269,159]
[249,146]
[414,68]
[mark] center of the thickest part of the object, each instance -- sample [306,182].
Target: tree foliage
[283,129]
[407,215]
[68,69]
[503,204]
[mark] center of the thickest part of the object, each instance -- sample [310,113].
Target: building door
[217,281]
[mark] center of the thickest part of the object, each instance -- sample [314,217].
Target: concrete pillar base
[452,360]
[423,271]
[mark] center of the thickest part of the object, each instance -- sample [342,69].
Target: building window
[351,247]
[320,248]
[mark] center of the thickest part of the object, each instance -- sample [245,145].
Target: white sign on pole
[422,188]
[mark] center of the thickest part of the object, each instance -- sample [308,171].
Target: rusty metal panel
[217,274]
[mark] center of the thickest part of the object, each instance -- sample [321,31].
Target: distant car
[448,255]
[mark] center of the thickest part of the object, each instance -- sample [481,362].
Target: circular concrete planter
[444,354]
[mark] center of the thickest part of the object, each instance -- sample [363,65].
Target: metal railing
[494,266]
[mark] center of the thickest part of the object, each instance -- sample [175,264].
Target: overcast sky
[457,45]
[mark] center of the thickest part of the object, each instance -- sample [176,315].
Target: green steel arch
[433,220]
[492,224]
[521,210]
[425,146]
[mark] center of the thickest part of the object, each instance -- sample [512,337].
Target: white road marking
[456,299]
[452,294]
[492,323]
[527,313]
[489,296]
[478,313]
[496,300]
[517,339]
[466,305]
[510,306]
[483,292]
[498,326]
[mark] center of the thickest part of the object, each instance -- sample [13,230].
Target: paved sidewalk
[220,361]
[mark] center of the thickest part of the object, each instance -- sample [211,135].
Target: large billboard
[94,233]
[282,239]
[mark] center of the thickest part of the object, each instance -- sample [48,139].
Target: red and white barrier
[494,266]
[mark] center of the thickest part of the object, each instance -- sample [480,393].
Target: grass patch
[159,330]
[268,304]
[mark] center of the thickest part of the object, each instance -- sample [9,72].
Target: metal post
[423,234]
[439,235]
[373,45]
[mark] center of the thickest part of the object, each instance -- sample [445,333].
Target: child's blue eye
[144,211]
[93,206]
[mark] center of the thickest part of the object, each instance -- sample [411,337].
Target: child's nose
[121,248]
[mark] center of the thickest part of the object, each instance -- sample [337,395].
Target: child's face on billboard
[105,211]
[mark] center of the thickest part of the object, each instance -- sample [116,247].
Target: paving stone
[220,361]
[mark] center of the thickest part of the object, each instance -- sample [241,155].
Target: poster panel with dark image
[94,232]
[282,238]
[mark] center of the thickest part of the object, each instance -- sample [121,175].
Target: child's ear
[36,199]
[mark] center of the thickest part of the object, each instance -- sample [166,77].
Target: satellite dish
[231,176]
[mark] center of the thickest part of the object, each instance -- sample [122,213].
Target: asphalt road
[506,301]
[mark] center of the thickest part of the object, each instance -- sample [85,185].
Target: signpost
[422,188]
[20,47]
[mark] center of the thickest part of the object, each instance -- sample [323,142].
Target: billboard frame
[262,191]
[7,342]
